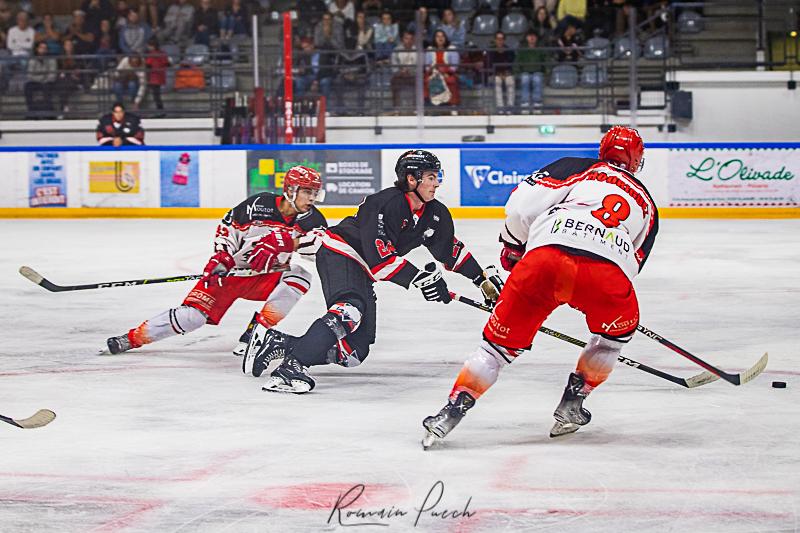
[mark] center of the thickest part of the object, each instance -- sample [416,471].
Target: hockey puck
[778,384]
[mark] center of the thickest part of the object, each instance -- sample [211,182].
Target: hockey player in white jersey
[257,238]
[576,232]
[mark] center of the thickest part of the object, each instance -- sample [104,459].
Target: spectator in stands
[442,62]
[178,22]
[6,21]
[97,10]
[120,18]
[46,32]
[549,5]
[312,11]
[157,63]
[352,68]
[364,32]
[404,63]
[119,128]
[150,13]
[134,35]
[344,9]
[82,37]
[329,33]
[19,40]
[529,66]
[41,71]
[427,28]
[386,34]
[236,21]
[206,23]
[544,24]
[571,9]
[454,28]
[106,52]
[372,7]
[500,62]
[107,31]
[600,18]
[569,43]
[130,80]
[69,78]
[313,70]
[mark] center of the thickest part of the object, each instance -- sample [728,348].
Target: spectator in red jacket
[157,63]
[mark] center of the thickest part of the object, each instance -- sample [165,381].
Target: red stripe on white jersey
[297,286]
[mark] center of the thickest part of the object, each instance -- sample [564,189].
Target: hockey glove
[265,251]
[432,285]
[220,263]
[490,283]
[510,255]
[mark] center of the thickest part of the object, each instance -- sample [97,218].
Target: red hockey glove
[220,263]
[510,255]
[265,251]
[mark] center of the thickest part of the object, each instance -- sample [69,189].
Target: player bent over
[360,251]
[588,227]
[259,234]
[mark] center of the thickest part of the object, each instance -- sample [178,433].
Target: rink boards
[703,180]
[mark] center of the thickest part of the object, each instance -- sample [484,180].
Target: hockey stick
[695,381]
[40,418]
[734,379]
[40,280]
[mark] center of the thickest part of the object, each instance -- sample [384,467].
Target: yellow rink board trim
[340,212]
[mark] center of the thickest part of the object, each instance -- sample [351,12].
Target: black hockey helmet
[415,162]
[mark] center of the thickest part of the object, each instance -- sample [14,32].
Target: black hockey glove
[432,285]
[490,283]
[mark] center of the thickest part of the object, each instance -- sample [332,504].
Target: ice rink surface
[173,438]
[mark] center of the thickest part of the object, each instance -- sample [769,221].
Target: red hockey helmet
[302,178]
[624,147]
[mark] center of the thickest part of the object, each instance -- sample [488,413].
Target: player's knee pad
[297,278]
[184,319]
[344,317]
[598,358]
[485,363]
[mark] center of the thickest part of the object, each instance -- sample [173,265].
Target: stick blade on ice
[40,418]
[31,274]
[755,370]
[700,379]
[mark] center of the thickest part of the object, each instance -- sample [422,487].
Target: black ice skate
[570,414]
[244,339]
[438,426]
[264,346]
[118,344]
[290,376]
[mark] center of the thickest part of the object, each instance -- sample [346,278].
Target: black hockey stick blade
[40,280]
[703,378]
[734,379]
[40,418]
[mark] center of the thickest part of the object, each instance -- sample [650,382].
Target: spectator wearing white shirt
[343,8]
[20,37]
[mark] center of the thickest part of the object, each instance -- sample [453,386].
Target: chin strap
[414,190]
[292,199]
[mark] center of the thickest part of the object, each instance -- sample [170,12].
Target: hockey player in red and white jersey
[253,246]
[576,232]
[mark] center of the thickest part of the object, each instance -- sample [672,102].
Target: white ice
[173,438]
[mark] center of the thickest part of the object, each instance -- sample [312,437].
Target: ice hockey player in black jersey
[359,251]
[253,245]
[119,128]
